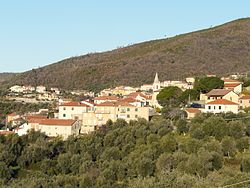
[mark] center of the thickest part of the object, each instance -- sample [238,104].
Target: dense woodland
[218,50]
[209,151]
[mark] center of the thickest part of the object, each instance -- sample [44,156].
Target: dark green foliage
[169,96]
[206,84]
[134,154]
[189,94]
[245,165]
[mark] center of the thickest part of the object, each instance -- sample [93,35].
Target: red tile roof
[193,110]
[32,117]
[222,101]
[74,104]
[232,85]
[57,122]
[129,100]
[245,97]
[135,94]
[114,98]
[231,80]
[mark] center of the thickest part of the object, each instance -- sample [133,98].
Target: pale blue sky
[36,33]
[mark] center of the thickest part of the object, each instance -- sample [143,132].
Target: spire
[156,78]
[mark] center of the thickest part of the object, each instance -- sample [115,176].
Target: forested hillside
[207,152]
[219,50]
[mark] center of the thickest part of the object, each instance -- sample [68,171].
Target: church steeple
[156,80]
[157,83]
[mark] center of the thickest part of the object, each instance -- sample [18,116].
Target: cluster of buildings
[228,99]
[128,103]
[39,92]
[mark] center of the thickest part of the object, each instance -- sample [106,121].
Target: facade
[60,127]
[102,99]
[40,89]
[233,85]
[245,101]
[191,112]
[112,111]
[74,110]
[221,106]
[220,94]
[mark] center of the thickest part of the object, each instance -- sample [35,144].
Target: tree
[245,165]
[242,144]
[182,126]
[169,96]
[189,94]
[228,146]
[206,84]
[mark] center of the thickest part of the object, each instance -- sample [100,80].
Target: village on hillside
[71,117]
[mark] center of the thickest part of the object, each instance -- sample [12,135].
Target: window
[118,109]
[64,115]
[136,109]
[136,116]
[219,107]
[72,108]
[64,108]
[128,116]
[209,107]
[214,107]
[128,109]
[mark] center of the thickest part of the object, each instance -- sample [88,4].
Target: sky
[36,33]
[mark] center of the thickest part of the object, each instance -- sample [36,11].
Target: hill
[219,50]
[5,76]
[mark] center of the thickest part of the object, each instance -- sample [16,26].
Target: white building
[74,110]
[221,106]
[40,89]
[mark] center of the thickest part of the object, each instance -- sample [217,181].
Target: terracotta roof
[106,98]
[218,92]
[231,85]
[58,122]
[115,104]
[33,117]
[222,101]
[245,97]
[4,132]
[193,110]
[135,94]
[129,100]
[231,80]
[74,104]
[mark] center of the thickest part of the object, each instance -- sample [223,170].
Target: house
[191,112]
[11,117]
[133,102]
[74,110]
[220,94]
[221,106]
[233,85]
[245,101]
[139,96]
[112,111]
[60,127]
[102,99]
[40,89]
[146,87]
